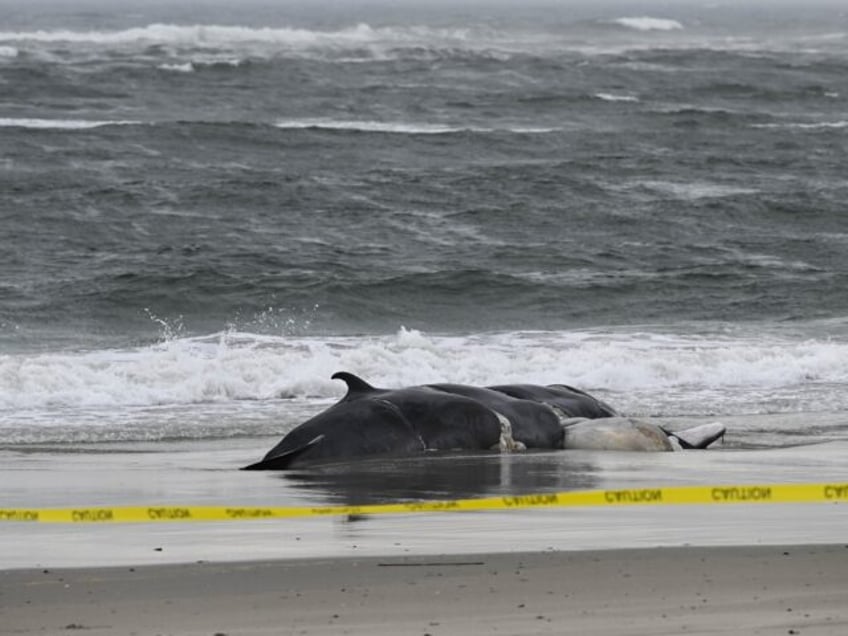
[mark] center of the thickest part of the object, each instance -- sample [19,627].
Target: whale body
[370,421]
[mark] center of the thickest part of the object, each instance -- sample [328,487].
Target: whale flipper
[284,459]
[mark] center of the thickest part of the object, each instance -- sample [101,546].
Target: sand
[740,569]
[694,590]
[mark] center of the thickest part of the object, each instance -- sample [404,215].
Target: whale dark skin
[344,431]
[572,402]
[443,420]
[369,421]
[533,424]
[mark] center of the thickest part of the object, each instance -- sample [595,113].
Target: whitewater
[206,216]
[261,385]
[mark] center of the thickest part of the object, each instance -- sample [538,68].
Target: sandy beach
[211,209]
[732,590]
[697,569]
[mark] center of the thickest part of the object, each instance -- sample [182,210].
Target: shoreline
[789,589]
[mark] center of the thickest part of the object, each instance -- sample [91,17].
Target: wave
[402,128]
[214,35]
[350,44]
[823,125]
[611,97]
[8,51]
[294,124]
[199,64]
[694,190]
[187,67]
[61,124]
[234,366]
[649,24]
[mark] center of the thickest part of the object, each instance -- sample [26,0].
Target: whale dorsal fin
[355,384]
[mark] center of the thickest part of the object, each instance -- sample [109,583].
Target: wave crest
[401,127]
[211,35]
[236,366]
[649,24]
[60,124]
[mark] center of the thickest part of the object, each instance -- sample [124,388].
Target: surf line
[675,495]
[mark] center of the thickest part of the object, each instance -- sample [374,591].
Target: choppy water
[205,214]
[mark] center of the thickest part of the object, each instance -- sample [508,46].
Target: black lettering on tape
[836,491]
[633,496]
[92,515]
[19,515]
[531,500]
[741,493]
[168,514]
[248,513]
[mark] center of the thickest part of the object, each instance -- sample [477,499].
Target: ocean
[206,209]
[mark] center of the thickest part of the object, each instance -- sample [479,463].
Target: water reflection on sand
[444,476]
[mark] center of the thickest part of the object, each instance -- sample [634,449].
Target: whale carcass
[370,421]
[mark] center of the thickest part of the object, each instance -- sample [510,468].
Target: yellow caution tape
[729,494]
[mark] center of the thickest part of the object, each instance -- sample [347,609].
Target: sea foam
[649,24]
[187,67]
[212,35]
[236,366]
[60,124]
[612,97]
[402,127]
[823,125]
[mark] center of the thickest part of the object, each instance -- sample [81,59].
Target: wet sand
[733,590]
[631,570]
[206,474]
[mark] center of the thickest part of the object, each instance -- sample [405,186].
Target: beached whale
[370,421]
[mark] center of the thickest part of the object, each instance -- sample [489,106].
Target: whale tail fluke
[698,437]
[283,460]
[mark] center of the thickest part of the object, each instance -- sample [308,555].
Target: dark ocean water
[206,211]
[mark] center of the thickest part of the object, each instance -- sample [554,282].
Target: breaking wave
[824,125]
[649,24]
[242,366]
[611,97]
[206,36]
[60,124]
[400,127]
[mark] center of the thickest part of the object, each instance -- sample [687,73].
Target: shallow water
[205,473]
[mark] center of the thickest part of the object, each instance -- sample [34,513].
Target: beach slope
[692,590]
